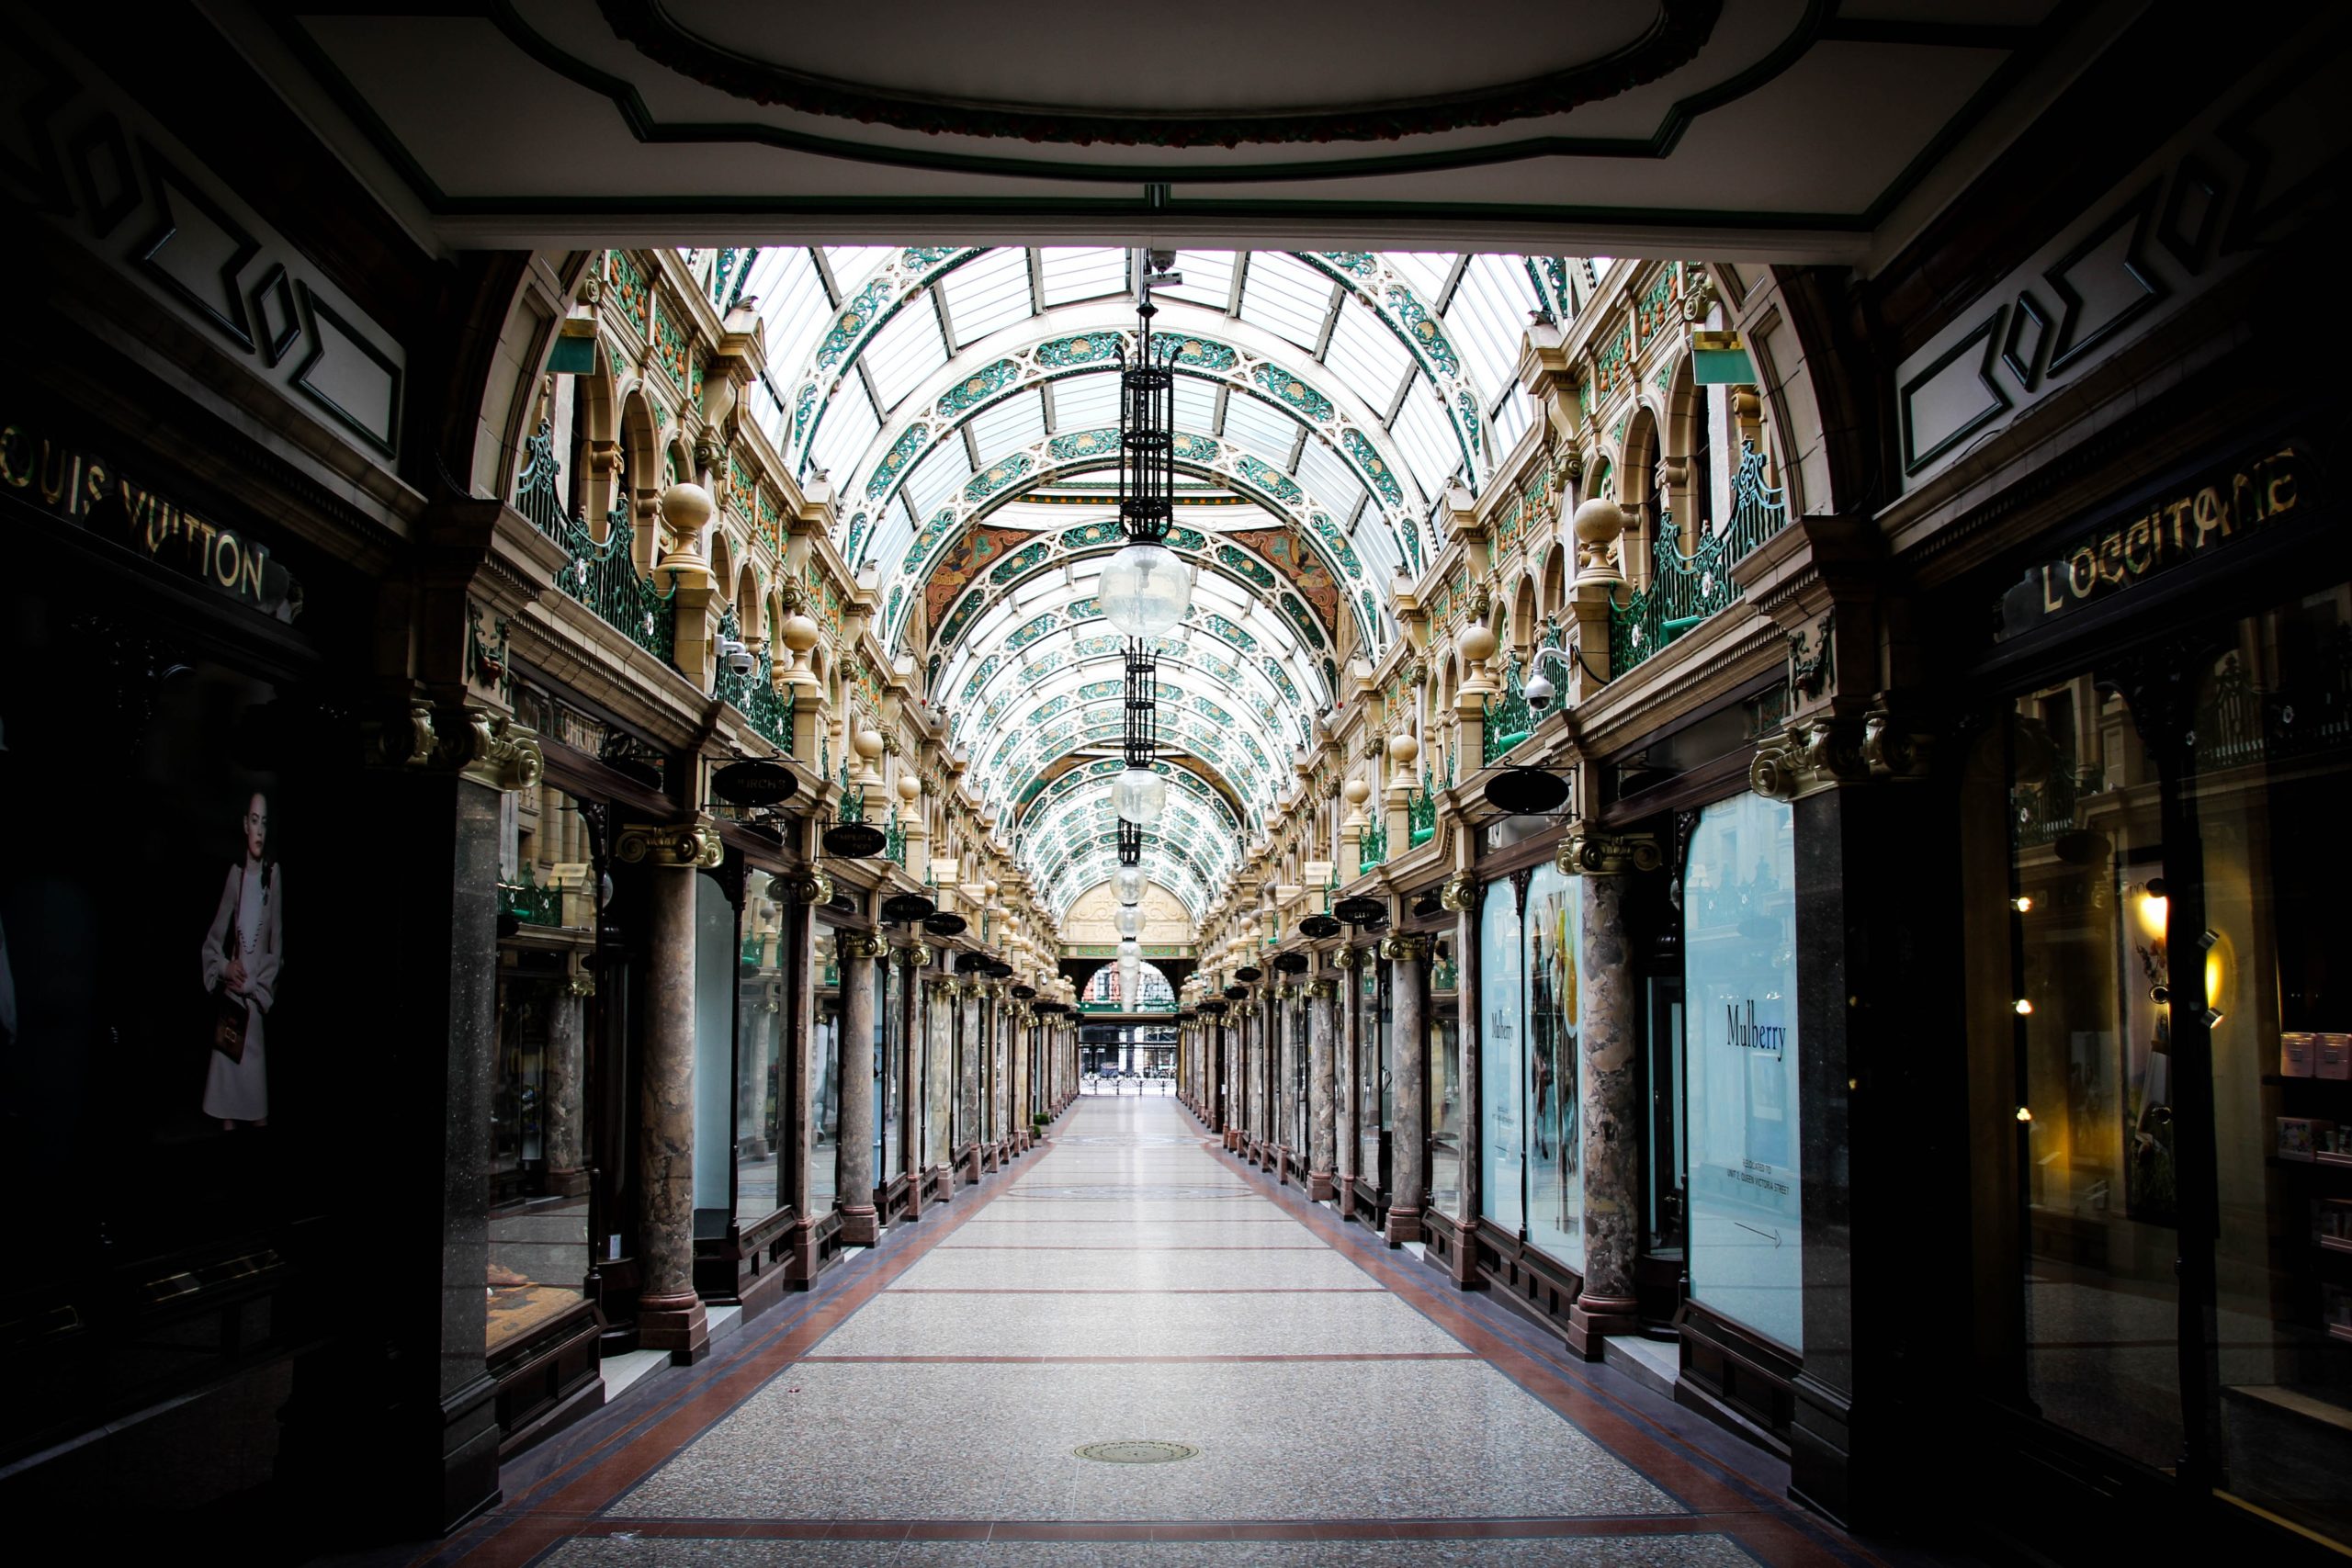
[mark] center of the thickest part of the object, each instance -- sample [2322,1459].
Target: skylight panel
[1329,479]
[906,351]
[850,424]
[1377,543]
[1513,412]
[1426,271]
[852,265]
[1195,405]
[1367,357]
[888,543]
[792,302]
[1284,295]
[938,477]
[1086,402]
[1257,428]
[1088,273]
[1034,593]
[1427,440]
[1488,318]
[1008,426]
[1209,278]
[988,295]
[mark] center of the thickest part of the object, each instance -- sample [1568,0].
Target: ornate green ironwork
[754,695]
[529,903]
[1684,589]
[754,949]
[1505,721]
[535,495]
[1373,849]
[603,577]
[1420,813]
[853,802]
[894,840]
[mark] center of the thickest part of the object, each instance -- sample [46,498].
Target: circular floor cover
[1136,1450]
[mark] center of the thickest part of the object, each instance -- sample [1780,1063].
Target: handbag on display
[229,1013]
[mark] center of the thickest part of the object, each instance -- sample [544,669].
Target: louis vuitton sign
[2178,527]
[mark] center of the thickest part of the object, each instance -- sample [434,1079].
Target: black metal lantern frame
[1147,432]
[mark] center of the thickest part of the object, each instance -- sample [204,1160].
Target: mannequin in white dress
[247,969]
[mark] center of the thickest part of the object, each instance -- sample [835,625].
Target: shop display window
[824,1081]
[760,1082]
[889,1050]
[1445,1097]
[939,1057]
[1502,1062]
[1553,1088]
[2159,938]
[717,954]
[1747,1236]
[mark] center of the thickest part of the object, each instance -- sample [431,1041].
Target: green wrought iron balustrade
[1420,813]
[603,577]
[1505,719]
[894,840]
[529,903]
[537,496]
[853,802]
[768,710]
[1373,848]
[1684,589]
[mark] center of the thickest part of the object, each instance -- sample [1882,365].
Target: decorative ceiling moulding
[1674,31]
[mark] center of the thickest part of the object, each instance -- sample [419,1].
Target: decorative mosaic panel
[1422,329]
[1303,620]
[1302,565]
[903,453]
[1207,354]
[1295,393]
[980,548]
[1359,448]
[1027,559]
[1267,478]
[630,291]
[670,349]
[978,388]
[1358,263]
[1082,444]
[997,476]
[1087,348]
[862,311]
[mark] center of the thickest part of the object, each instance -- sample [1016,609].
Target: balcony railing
[1420,813]
[894,840]
[754,695]
[1372,849]
[529,903]
[601,576]
[1684,589]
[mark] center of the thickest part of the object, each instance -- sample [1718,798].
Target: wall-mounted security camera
[734,657]
[1539,693]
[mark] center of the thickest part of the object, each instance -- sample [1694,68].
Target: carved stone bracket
[1827,751]
[1405,947]
[476,743]
[683,845]
[1608,854]
[1813,656]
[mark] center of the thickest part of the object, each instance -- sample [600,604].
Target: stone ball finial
[1357,792]
[798,632]
[1600,521]
[868,743]
[1477,643]
[1403,749]
[910,788]
[685,507]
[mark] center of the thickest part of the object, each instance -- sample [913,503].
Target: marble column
[907,965]
[1407,956]
[1466,899]
[796,1125]
[567,1175]
[669,1311]
[856,952]
[1321,1110]
[1607,1042]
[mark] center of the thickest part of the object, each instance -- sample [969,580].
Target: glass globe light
[1146,591]
[1129,920]
[1127,885]
[1129,948]
[1140,795]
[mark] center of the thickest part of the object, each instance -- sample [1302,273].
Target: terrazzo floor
[1132,1281]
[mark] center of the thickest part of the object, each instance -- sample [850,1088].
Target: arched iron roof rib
[1077,342]
[864,306]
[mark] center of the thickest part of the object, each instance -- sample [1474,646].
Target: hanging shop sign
[2178,527]
[95,493]
[754,783]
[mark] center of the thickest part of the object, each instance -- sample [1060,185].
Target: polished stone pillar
[1466,897]
[1321,1113]
[1607,1043]
[968,1074]
[1407,956]
[567,1177]
[856,952]
[669,1311]
[798,1123]
[907,968]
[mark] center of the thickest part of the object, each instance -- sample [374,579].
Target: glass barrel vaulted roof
[963,404]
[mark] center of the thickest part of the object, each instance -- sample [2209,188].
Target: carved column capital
[915,957]
[1345,958]
[1458,895]
[476,743]
[1323,990]
[1588,853]
[691,845]
[812,887]
[1409,947]
[1829,751]
[859,944]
